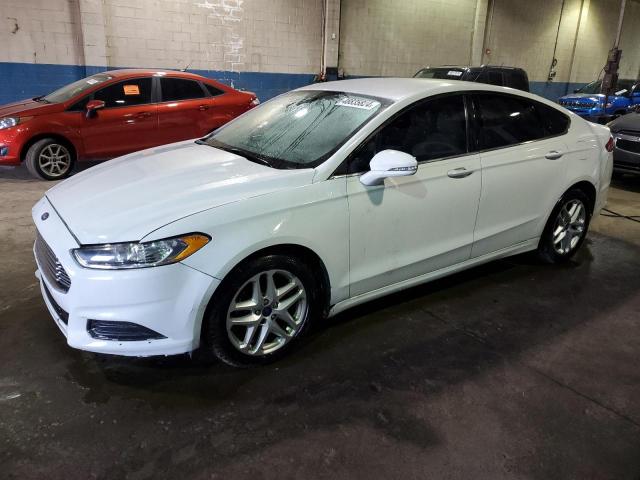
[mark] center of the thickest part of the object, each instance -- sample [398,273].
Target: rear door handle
[459,172]
[553,155]
[143,114]
[203,107]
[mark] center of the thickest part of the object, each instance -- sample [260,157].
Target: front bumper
[169,300]
[10,145]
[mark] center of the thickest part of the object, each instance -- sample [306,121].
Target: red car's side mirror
[93,106]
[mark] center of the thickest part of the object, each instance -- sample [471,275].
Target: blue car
[589,103]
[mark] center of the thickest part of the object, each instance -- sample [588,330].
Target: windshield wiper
[40,98]
[254,157]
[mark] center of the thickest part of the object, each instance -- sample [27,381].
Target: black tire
[547,251]
[34,159]
[215,337]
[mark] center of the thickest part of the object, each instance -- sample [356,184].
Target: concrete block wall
[268,46]
[397,37]
[523,33]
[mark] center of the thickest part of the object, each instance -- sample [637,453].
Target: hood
[26,107]
[582,98]
[127,198]
[630,121]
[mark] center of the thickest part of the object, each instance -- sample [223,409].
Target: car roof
[134,72]
[398,89]
[476,67]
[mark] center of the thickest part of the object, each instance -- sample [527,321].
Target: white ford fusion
[320,199]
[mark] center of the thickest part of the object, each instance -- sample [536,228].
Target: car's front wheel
[49,159]
[260,311]
[566,228]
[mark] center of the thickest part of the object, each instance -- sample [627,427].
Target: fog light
[120,331]
[4,151]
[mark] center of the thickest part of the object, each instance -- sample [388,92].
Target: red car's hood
[27,107]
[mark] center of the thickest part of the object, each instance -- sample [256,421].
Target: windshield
[299,129]
[69,91]
[594,87]
[442,73]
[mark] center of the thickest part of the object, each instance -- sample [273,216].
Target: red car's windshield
[69,91]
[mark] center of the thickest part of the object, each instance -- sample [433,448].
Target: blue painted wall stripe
[25,80]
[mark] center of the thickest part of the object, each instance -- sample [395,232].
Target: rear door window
[555,122]
[136,91]
[176,89]
[505,120]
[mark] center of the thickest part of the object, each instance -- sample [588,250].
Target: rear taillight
[609,145]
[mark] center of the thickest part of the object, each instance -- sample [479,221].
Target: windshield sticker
[92,81]
[354,102]
[454,73]
[131,89]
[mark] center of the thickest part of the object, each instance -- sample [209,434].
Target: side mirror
[93,106]
[389,163]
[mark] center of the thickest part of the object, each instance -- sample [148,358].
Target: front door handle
[203,107]
[459,172]
[553,155]
[143,114]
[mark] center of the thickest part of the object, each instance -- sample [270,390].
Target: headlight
[114,256]
[7,122]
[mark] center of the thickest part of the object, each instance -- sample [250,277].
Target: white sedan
[320,199]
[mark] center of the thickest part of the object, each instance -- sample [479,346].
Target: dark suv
[502,76]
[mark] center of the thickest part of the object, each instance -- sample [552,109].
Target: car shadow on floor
[443,331]
[627,182]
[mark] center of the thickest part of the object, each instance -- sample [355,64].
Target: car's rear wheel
[49,159]
[566,228]
[260,311]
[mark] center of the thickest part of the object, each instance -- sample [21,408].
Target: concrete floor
[511,370]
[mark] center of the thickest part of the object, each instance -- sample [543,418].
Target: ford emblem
[44,216]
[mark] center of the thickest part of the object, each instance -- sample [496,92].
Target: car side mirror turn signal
[389,163]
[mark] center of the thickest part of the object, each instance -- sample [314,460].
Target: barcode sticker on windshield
[454,73]
[355,102]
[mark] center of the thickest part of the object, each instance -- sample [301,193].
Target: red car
[111,114]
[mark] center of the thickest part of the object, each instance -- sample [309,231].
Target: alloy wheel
[569,226]
[54,160]
[267,312]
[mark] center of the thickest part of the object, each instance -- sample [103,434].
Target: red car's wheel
[49,159]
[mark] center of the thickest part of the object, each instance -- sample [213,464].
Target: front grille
[62,313]
[628,145]
[577,104]
[120,331]
[633,133]
[51,268]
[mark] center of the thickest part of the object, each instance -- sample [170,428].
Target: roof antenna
[185,68]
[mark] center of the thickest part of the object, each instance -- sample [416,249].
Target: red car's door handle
[143,114]
[203,107]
